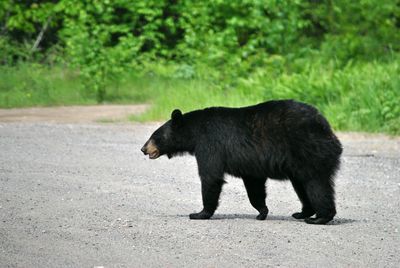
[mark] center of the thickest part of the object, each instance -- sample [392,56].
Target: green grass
[363,96]
[35,85]
[30,84]
[356,97]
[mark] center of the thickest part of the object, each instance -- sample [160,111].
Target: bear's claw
[263,214]
[302,215]
[202,215]
[318,220]
[261,217]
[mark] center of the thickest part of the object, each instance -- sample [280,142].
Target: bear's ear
[176,117]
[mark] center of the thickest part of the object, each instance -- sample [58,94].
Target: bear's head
[168,139]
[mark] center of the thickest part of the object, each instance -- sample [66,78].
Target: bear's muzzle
[149,148]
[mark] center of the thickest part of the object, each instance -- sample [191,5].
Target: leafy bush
[220,52]
[217,32]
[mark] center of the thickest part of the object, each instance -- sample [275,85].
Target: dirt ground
[72,114]
[81,194]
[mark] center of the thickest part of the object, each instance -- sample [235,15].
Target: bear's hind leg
[321,195]
[210,191]
[307,210]
[255,188]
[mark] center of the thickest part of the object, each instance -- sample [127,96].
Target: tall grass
[35,85]
[29,84]
[363,96]
[359,97]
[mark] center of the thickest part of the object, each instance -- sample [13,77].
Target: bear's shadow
[336,221]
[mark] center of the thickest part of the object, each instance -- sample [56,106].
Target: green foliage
[34,84]
[193,54]
[31,84]
[217,32]
[351,97]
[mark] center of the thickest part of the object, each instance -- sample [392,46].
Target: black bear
[281,139]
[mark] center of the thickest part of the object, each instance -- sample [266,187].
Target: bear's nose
[143,149]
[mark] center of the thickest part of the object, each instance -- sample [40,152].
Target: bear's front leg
[210,191]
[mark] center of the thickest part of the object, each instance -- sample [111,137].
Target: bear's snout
[149,148]
[143,149]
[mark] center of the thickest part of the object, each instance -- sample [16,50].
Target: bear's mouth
[149,148]
[154,154]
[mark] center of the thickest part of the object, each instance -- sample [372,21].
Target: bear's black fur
[283,140]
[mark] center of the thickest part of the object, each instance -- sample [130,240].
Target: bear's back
[271,137]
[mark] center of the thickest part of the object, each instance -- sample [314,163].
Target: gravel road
[83,195]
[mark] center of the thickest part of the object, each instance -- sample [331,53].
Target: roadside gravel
[83,195]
